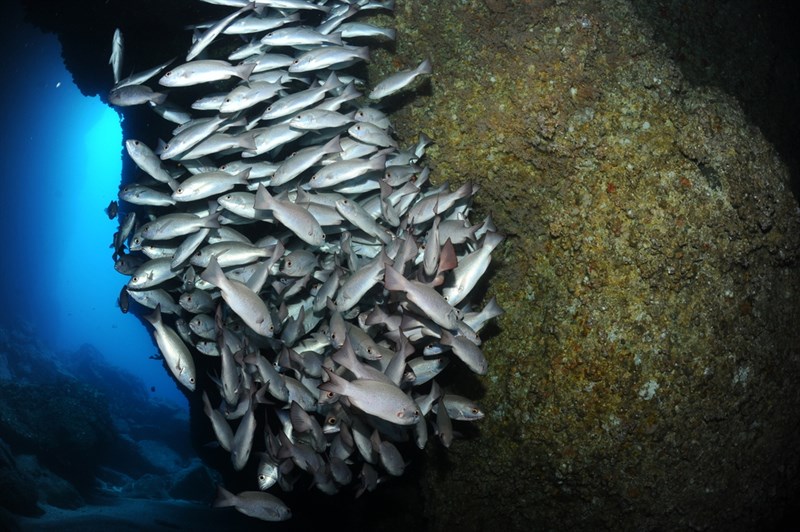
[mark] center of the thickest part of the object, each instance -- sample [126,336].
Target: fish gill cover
[295,254]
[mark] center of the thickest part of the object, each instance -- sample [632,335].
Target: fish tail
[224,498]
[425,67]
[335,384]
[158,98]
[393,280]
[264,200]
[244,70]
[213,273]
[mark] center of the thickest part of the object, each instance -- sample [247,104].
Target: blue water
[61,164]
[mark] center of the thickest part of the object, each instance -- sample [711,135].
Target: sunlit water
[61,163]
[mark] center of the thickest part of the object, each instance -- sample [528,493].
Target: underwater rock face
[646,374]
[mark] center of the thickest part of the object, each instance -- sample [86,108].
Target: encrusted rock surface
[644,374]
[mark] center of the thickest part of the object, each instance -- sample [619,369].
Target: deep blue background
[60,166]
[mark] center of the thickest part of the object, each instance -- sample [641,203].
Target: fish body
[328,57]
[176,355]
[295,218]
[204,71]
[176,224]
[213,32]
[246,96]
[381,399]
[241,299]
[206,184]
[115,60]
[398,81]
[426,298]
[135,95]
[256,504]
[142,195]
[148,161]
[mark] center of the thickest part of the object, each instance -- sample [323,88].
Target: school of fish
[283,233]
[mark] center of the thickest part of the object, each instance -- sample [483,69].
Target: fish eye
[329,395]
[134,279]
[180,190]
[191,379]
[262,477]
[168,73]
[332,419]
[475,411]
[288,264]
[271,328]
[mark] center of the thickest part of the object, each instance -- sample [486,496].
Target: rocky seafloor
[643,376]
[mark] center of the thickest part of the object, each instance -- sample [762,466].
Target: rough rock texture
[644,374]
[66,425]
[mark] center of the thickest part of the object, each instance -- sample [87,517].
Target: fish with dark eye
[381,399]
[400,80]
[176,355]
[241,299]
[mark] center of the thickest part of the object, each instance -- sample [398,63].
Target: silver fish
[204,71]
[206,184]
[254,504]
[176,355]
[142,195]
[398,81]
[328,57]
[426,298]
[213,32]
[142,77]
[246,96]
[116,54]
[135,95]
[296,219]
[148,161]
[222,430]
[176,224]
[383,400]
